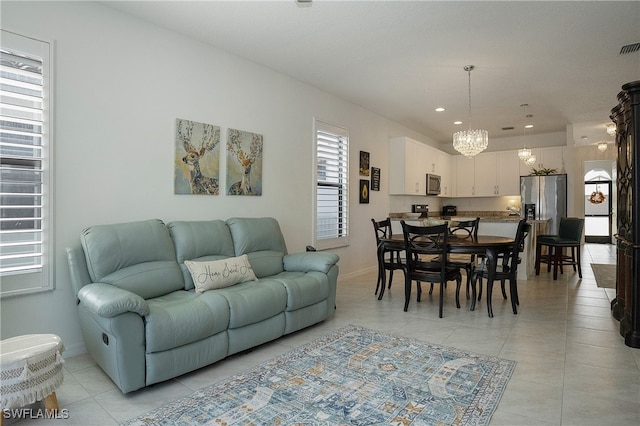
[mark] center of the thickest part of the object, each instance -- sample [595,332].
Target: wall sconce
[602,146]
[611,130]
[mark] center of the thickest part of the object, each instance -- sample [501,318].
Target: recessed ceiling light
[457,122]
[439,109]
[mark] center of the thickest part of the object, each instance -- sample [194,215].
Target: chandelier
[470,142]
[602,146]
[611,129]
[531,160]
[524,153]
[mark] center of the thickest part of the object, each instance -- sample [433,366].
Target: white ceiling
[404,59]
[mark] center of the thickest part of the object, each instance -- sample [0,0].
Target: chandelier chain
[469,72]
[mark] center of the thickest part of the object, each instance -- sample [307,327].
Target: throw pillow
[220,273]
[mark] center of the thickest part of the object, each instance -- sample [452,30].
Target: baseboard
[354,274]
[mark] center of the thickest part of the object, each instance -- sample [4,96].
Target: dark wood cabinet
[626,305]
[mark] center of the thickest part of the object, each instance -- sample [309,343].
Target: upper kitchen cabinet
[409,163]
[465,176]
[407,167]
[546,158]
[485,174]
[508,166]
[439,163]
[488,174]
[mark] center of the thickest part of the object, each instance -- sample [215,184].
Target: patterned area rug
[605,275]
[354,376]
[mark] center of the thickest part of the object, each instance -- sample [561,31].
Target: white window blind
[24,165]
[332,186]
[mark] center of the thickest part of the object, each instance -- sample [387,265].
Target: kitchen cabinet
[485,174]
[409,163]
[488,174]
[465,176]
[508,167]
[439,163]
[445,170]
[546,158]
[407,167]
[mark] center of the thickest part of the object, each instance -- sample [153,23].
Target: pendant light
[470,142]
[524,153]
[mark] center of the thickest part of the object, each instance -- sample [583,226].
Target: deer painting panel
[244,163]
[197,159]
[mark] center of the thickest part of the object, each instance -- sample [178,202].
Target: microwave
[433,184]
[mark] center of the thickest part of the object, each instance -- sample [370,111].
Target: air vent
[629,48]
[508,128]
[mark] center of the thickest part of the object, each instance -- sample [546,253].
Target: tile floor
[573,367]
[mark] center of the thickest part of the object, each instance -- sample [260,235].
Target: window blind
[332,191]
[23,155]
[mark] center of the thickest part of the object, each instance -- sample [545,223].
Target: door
[597,212]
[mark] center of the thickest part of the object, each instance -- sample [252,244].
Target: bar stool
[569,236]
[31,369]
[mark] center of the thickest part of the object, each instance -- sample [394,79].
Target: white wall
[120,84]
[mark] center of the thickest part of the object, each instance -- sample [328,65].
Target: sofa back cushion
[200,241]
[136,256]
[262,241]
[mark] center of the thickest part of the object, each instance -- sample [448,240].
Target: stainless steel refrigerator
[544,198]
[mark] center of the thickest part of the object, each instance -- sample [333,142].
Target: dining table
[490,246]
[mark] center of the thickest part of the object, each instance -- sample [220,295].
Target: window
[332,186]
[25,204]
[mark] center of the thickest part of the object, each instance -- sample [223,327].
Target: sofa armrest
[108,301]
[310,261]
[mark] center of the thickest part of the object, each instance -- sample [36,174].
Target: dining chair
[569,236]
[388,254]
[422,244]
[465,229]
[506,269]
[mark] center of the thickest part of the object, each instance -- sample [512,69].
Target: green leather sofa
[141,318]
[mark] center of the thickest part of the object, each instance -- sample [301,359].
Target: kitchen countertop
[463,216]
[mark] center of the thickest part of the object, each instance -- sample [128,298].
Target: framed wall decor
[375,179]
[244,163]
[197,158]
[364,163]
[364,191]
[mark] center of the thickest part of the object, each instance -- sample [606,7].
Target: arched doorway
[598,205]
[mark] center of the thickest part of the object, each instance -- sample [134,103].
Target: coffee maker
[530,211]
[423,209]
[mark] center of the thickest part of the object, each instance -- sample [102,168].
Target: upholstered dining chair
[422,244]
[506,269]
[569,236]
[388,255]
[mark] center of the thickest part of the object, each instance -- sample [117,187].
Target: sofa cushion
[262,240]
[200,241]
[303,289]
[256,234]
[266,263]
[136,256]
[184,317]
[253,301]
[310,261]
[222,273]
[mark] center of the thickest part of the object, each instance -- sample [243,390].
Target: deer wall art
[197,167]
[244,163]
